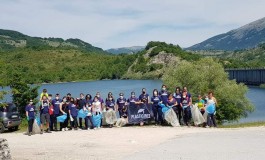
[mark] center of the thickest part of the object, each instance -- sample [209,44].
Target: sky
[123,23]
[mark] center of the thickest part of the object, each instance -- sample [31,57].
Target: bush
[207,75]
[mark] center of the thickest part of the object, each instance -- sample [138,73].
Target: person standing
[144,97]
[44,114]
[211,110]
[157,110]
[88,107]
[73,112]
[81,105]
[186,108]
[56,108]
[178,97]
[133,100]
[30,113]
[164,94]
[63,110]
[120,104]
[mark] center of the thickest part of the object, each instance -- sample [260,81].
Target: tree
[22,93]
[207,75]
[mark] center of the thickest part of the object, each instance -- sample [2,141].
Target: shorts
[45,118]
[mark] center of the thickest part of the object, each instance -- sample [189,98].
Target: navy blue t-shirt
[121,102]
[178,97]
[89,102]
[56,105]
[110,103]
[132,100]
[164,96]
[45,107]
[156,100]
[144,98]
[30,109]
[171,103]
[73,110]
[81,103]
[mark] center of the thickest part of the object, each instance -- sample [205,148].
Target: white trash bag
[110,116]
[196,115]
[171,117]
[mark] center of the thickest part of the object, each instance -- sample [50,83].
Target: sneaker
[48,131]
[41,131]
[66,129]
[29,134]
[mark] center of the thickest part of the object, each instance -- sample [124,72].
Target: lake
[255,94]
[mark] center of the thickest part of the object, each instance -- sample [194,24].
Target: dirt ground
[149,142]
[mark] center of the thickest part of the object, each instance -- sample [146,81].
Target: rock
[4,150]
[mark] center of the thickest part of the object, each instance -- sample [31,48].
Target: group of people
[51,108]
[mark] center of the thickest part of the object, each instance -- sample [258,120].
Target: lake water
[255,94]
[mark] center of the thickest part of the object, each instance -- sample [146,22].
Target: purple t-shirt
[144,98]
[171,103]
[30,109]
[56,105]
[73,109]
[164,96]
[121,102]
[132,100]
[110,103]
[45,107]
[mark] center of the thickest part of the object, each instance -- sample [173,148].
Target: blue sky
[122,23]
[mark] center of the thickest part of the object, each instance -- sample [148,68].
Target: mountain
[12,39]
[128,50]
[247,36]
[152,62]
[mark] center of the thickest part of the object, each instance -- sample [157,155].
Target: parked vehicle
[9,117]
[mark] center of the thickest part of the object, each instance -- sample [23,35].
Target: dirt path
[118,143]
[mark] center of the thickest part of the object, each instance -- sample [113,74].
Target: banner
[139,113]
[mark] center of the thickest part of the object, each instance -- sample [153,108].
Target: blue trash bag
[38,120]
[161,105]
[82,113]
[97,120]
[210,108]
[62,118]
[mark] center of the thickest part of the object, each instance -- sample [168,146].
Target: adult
[110,107]
[120,104]
[56,109]
[81,105]
[133,100]
[157,110]
[164,94]
[144,97]
[44,114]
[185,104]
[179,111]
[30,113]
[73,112]
[211,107]
[88,107]
[64,110]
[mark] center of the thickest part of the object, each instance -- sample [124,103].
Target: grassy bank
[243,125]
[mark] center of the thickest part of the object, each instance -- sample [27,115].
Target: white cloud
[118,23]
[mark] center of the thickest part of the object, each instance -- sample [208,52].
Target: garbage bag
[121,122]
[210,108]
[110,116]
[61,118]
[37,119]
[196,115]
[171,117]
[35,128]
[97,120]
[82,113]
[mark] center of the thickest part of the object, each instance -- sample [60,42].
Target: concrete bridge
[247,76]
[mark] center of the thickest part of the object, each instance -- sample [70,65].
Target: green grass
[243,125]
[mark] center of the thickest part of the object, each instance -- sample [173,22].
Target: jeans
[158,114]
[211,120]
[89,118]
